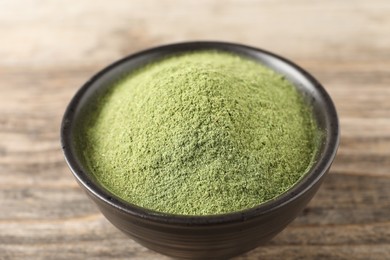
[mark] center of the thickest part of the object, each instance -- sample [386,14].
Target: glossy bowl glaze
[216,236]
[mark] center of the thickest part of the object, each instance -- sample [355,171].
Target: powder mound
[201,133]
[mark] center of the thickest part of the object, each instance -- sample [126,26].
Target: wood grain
[49,48]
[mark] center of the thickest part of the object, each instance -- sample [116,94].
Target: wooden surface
[49,48]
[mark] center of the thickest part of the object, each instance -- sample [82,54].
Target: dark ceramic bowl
[215,236]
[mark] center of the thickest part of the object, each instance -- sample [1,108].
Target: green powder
[199,133]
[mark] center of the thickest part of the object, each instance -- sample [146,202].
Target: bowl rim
[301,187]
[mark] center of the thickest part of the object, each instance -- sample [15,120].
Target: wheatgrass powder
[200,133]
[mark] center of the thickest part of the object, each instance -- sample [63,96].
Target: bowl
[214,236]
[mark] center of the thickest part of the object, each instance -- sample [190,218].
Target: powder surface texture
[200,133]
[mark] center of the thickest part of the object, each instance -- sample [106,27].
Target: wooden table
[49,48]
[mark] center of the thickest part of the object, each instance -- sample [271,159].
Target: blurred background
[48,49]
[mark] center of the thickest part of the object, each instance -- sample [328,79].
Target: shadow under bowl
[214,236]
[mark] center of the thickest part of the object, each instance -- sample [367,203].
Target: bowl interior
[313,93]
